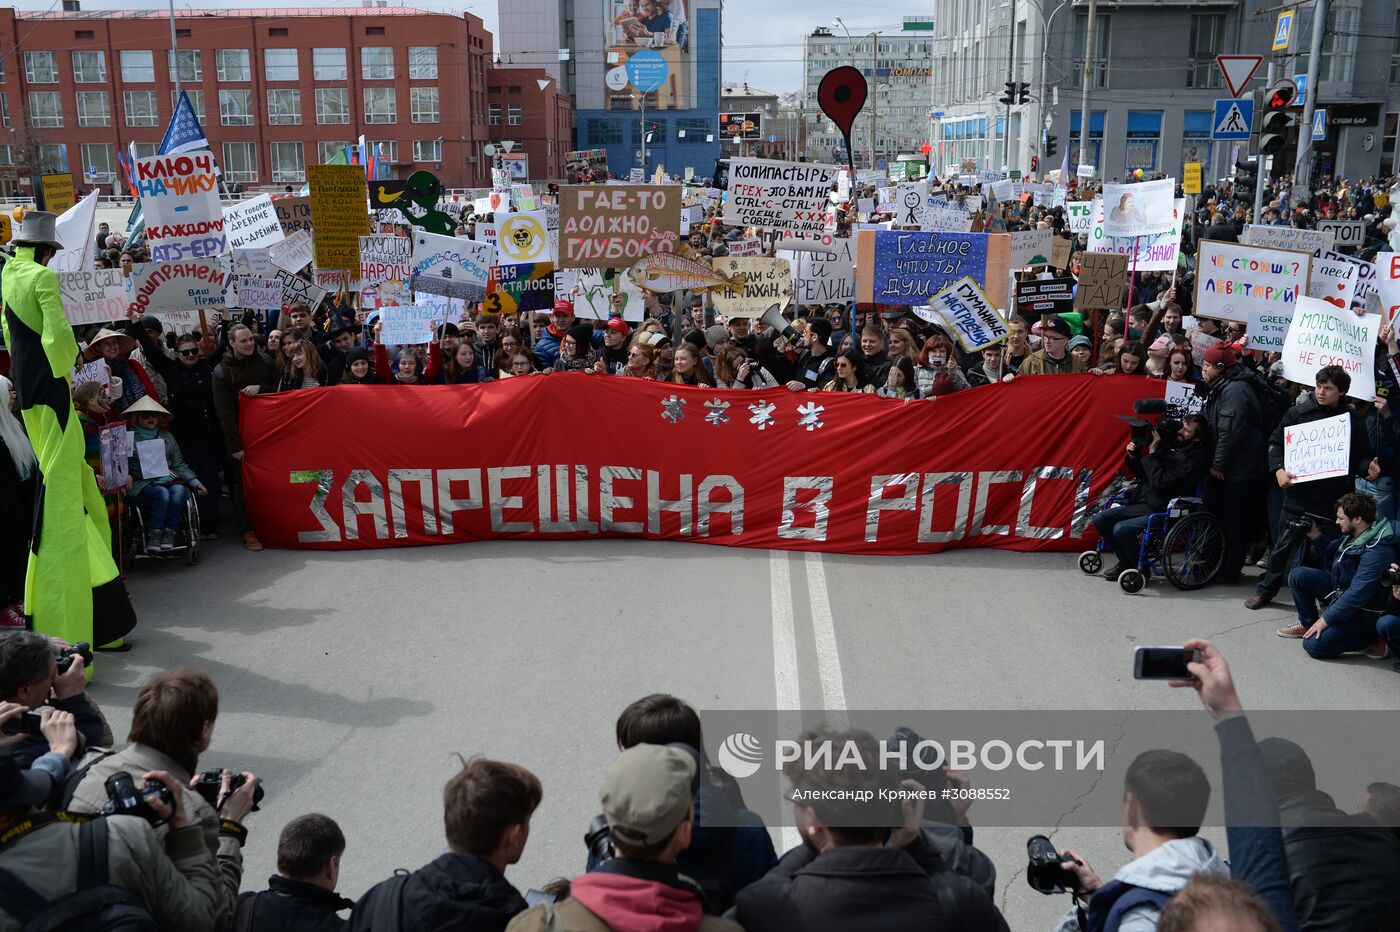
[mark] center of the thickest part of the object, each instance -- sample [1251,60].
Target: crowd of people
[95,834]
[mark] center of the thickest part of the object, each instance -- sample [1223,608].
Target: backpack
[1274,403]
[96,906]
[1113,901]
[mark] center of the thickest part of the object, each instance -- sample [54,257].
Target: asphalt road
[349,682]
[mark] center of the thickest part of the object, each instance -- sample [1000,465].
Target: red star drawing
[1288,437]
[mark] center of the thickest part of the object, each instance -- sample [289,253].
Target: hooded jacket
[628,896]
[1357,564]
[456,891]
[1320,495]
[1237,423]
[1163,871]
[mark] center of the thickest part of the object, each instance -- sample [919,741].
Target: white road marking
[824,631]
[785,675]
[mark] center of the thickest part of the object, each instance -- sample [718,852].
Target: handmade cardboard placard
[1233,280]
[909,267]
[1103,279]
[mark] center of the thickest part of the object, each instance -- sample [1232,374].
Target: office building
[756,123]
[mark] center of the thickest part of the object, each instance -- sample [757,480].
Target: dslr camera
[1168,424]
[1306,522]
[65,657]
[210,781]
[1390,577]
[123,798]
[1046,870]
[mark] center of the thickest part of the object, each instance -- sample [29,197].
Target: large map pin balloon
[841,95]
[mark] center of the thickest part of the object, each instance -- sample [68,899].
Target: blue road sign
[1233,118]
[1301,81]
[1283,30]
[1319,127]
[646,70]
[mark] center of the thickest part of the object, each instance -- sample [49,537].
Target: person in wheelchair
[1171,466]
[161,497]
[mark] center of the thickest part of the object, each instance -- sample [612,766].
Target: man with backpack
[1165,794]
[1306,504]
[1234,488]
[301,895]
[107,873]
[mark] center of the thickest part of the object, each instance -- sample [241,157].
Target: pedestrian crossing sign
[1233,118]
[1319,127]
[1283,31]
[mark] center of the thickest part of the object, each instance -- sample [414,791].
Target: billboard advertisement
[661,27]
[740,126]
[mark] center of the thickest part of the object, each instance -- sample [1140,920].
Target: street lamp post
[1044,54]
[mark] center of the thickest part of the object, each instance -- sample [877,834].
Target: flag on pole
[184,134]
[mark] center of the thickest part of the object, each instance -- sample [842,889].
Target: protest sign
[1030,247]
[1332,280]
[1081,216]
[746,247]
[969,313]
[94,296]
[180,200]
[909,267]
[523,237]
[1060,252]
[612,226]
[407,323]
[1232,280]
[59,194]
[252,223]
[910,201]
[789,197]
[1318,449]
[297,290]
[253,263]
[449,265]
[338,209]
[157,287]
[1160,252]
[597,293]
[522,286]
[293,253]
[114,449]
[1322,334]
[1267,330]
[294,214]
[333,280]
[95,371]
[1140,209]
[946,219]
[1344,232]
[258,294]
[1182,395]
[824,277]
[1044,296]
[766,282]
[1102,281]
[1387,284]
[1297,239]
[384,257]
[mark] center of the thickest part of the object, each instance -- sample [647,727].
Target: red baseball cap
[620,325]
[564,306]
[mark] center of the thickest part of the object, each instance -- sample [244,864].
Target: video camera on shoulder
[1167,427]
[123,798]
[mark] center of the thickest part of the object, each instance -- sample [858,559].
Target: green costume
[70,555]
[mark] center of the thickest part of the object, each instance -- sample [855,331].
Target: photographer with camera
[729,846]
[1172,465]
[100,873]
[1339,609]
[301,895]
[854,871]
[172,724]
[38,672]
[1302,500]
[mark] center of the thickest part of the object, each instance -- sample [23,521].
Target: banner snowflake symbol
[811,415]
[671,409]
[762,414]
[717,415]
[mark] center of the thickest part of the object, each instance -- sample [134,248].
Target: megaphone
[773,317]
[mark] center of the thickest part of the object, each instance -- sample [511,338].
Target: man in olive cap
[70,559]
[647,799]
[1053,357]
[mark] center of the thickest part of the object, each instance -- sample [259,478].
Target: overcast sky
[763,39]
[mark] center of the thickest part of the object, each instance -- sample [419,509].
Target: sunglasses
[189,352]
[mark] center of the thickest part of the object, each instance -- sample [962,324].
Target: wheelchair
[1185,544]
[134,535]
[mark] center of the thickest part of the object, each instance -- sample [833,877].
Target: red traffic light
[1280,97]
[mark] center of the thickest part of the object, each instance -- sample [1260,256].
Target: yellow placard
[338,214]
[1191,178]
[58,192]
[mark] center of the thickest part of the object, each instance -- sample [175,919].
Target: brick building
[524,105]
[275,89]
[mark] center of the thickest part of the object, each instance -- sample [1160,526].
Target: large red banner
[576,455]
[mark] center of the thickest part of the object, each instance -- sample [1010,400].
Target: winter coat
[136,759]
[547,347]
[294,904]
[1237,423]
[230,377]
[859,889]
[1165,475]
[1319,496]
[456,891]
[195,423]
[1165,871]
[175,877]
[179,469]
[428,375]
[628,896]
[1038,363]
[1357,564]
[942,382]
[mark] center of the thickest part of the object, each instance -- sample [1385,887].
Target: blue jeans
[1121,532]
[1358,632]
[1389,628]
[164,504]
[1383,491]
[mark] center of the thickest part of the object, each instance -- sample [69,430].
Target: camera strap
[24,826]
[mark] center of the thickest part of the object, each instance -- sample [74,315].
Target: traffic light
[1050,147]
[1024,95]
[1035,164]
[1279,97]
[1009,97]
[1273,129]
[1246,177]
